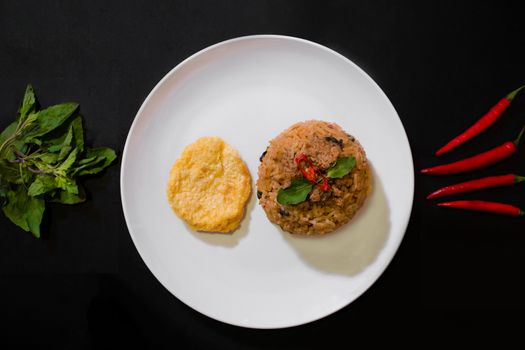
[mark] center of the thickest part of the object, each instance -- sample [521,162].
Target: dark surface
[442,65]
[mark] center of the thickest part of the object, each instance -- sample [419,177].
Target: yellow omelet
[209,186]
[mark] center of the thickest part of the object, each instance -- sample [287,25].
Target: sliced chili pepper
[478,184]
[482,124]
[309,174]
[324,184]
[308,171]
[490,207]
[478,161]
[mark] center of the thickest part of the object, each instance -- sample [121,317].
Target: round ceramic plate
[246,91]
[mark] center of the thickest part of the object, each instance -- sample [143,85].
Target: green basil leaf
[56,144]
[78,133]
[41,185]
[65,197]
[8,132]
[88,164]
[104,157]
[6,140]
[20,141]
[4,184]
[49,119]
[9,172]
[28,104]
[64,152]
[4,188]
[49,158]
[89,161]
[17,145]
[24,211]
[15,173]
[296,193]
[68,134]
[342,167]
[66,184]
[68,162]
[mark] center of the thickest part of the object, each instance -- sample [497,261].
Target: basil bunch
[42,153]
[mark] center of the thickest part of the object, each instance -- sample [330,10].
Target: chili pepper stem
[518,139]
[513,94]
[522,213]
[518,178]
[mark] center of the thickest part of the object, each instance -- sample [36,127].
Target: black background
[442,65]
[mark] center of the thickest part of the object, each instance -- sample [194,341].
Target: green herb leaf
[89,161]
[28,104]
[14,173]
[9,172]
[57,144]
[104,157]
[65,197]
[4,184]
[296,193]
[87,164]
[67,184]
[49,119]
[68,162]
[6,139]
[48,158]
[78,133]
[66,137]
[24,211]
[342,167]
[4,188]
[41,185]
[8,132]
[65,148]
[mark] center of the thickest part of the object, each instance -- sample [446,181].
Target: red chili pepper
[309,172]
[478,184]
[491,207]
[478,161]
[324,185]
[482,124]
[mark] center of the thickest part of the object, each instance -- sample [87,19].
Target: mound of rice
[323,211]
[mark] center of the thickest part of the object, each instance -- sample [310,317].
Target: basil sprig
[42,154]
[299,189]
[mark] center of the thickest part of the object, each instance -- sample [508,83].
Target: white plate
[247,90]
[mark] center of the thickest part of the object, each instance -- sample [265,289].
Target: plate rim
[405,221]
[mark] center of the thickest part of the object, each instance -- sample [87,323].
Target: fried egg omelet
[209,186]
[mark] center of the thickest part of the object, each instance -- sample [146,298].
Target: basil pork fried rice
[323,211]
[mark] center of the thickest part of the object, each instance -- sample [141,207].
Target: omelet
[209,186]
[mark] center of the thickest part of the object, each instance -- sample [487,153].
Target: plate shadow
[350,249]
